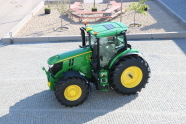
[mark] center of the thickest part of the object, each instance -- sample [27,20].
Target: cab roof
[106,29]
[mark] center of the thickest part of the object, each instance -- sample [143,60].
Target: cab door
[108,47]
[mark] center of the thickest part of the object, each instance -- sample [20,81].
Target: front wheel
[130,75]
[72,92]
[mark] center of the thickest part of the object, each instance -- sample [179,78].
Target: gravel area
[178,7]
[156,20]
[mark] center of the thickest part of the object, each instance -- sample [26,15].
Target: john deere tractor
[104,59]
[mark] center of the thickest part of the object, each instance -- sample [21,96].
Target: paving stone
[25,97]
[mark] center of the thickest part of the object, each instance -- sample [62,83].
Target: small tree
[62,7]
[48,4]
[121,10]
[139,7]
[94,8]
[47,9]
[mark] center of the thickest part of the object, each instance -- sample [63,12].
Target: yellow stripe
[74,56]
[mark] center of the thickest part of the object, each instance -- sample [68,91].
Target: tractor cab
[107,40]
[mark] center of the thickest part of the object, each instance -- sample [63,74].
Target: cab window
[92,40]
[108,47]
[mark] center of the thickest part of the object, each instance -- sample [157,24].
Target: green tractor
[107,61]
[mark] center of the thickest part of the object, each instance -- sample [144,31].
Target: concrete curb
[169,35]
[71,1]
[37,8]
[171,12]
[164,35]
[6,38]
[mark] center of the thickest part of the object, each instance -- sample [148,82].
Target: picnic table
[85,13]
[81,14]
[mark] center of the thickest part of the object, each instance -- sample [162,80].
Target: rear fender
[124,55]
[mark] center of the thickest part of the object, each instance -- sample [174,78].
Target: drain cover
[18,6]
[13,2]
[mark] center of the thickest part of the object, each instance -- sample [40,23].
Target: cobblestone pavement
[25,98]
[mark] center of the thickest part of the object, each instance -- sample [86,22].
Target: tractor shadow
[44,107]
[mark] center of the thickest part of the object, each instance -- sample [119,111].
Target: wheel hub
[131,77]
[72,92]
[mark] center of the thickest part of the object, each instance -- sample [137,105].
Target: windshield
[109,46]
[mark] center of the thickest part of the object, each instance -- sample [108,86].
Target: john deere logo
[88,57]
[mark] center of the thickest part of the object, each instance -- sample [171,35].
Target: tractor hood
[68,55]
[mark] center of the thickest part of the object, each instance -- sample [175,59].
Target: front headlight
[49,84]
[50,66]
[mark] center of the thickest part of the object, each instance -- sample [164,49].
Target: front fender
[73,74]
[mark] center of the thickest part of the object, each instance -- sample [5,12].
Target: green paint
[52,82]
[115,29]
[122,53]
[103,78]
[68,55]
[77,60]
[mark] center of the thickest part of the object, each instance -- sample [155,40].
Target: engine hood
[68,55]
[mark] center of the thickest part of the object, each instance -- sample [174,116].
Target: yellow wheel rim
[131,77]
[72,92]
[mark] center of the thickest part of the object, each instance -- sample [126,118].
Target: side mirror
[83,36]
[43,68]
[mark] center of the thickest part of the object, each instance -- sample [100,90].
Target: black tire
[119,74]
[75,83]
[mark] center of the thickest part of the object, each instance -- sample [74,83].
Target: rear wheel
[72,92]
[130,75]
